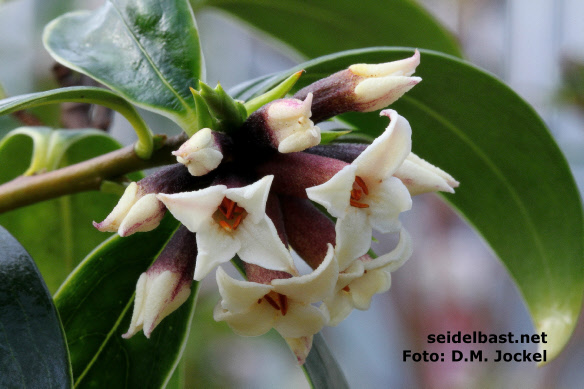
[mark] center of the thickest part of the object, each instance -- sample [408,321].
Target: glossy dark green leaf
[58,233]
[95,304]
[321,368]
[146,50]
[319,27]
[85,94]
[33,349]
[516,187]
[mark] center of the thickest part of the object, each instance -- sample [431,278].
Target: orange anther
[347,289]
[283,303]
[356,194]
[230,209]
[237,221]
[272,302]
[358,204]
[225,225]
[362,184]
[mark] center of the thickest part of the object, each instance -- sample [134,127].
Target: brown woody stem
[84,176]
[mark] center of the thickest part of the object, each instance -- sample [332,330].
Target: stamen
[230,210]
[272,302]
[283,303]
[362,184]
[237,221]
[225,226]
[259,301]
[358,204]
[347,289]
[356,194]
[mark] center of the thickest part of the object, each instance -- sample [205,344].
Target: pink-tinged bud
[309,231]
[204,151]
[284,125]
[138,210]
[293,173]
[361,88]
[300,347]
[166,285]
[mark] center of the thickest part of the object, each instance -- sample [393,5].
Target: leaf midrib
[151,62]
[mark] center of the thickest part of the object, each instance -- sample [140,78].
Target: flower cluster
[266,188]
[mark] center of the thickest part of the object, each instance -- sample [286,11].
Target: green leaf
[321,368]
[319,27]
[327,137]
[146,50]
[95,304]
[58,233]
[34,353]
[91,95]
[516,187]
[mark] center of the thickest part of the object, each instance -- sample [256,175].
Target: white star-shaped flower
[365,195]
[231,221]
[252,309]
[364,278]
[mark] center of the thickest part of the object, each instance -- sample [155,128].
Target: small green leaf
[230,114]
[321,368]
[273,94]
[319,27]
[327,137]
[91,95]
[95,304]
[473,126]
[146,50]
[34,353]
[58,233]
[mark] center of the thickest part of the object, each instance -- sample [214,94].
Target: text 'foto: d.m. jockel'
[259,185]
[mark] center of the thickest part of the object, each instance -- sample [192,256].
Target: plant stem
[84,176]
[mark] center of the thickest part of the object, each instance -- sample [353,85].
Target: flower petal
[261,246]
[385,155]
[300,347]
[114,219]
[420,177]
[386,201]
[257,321]
[194,209]
[353,236]
[215,246]
[144,216]
[300,320]
[312,287]
[335,194]
[371,283]
[239,296]
[338,307]
[395,258]
[349,274]
[252,197]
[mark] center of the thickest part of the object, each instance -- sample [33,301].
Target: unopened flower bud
[138,210]
[203,152]
[361,88]
[284,125]
[166,285]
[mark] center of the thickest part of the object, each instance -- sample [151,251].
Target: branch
[84,176]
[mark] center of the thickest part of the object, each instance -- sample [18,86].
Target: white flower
[365,195]
[135,212]
[420,176]
[364,278]
[380,85]
[228,222]
[252,309]
[288,121]
[157,296]
[201,153]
